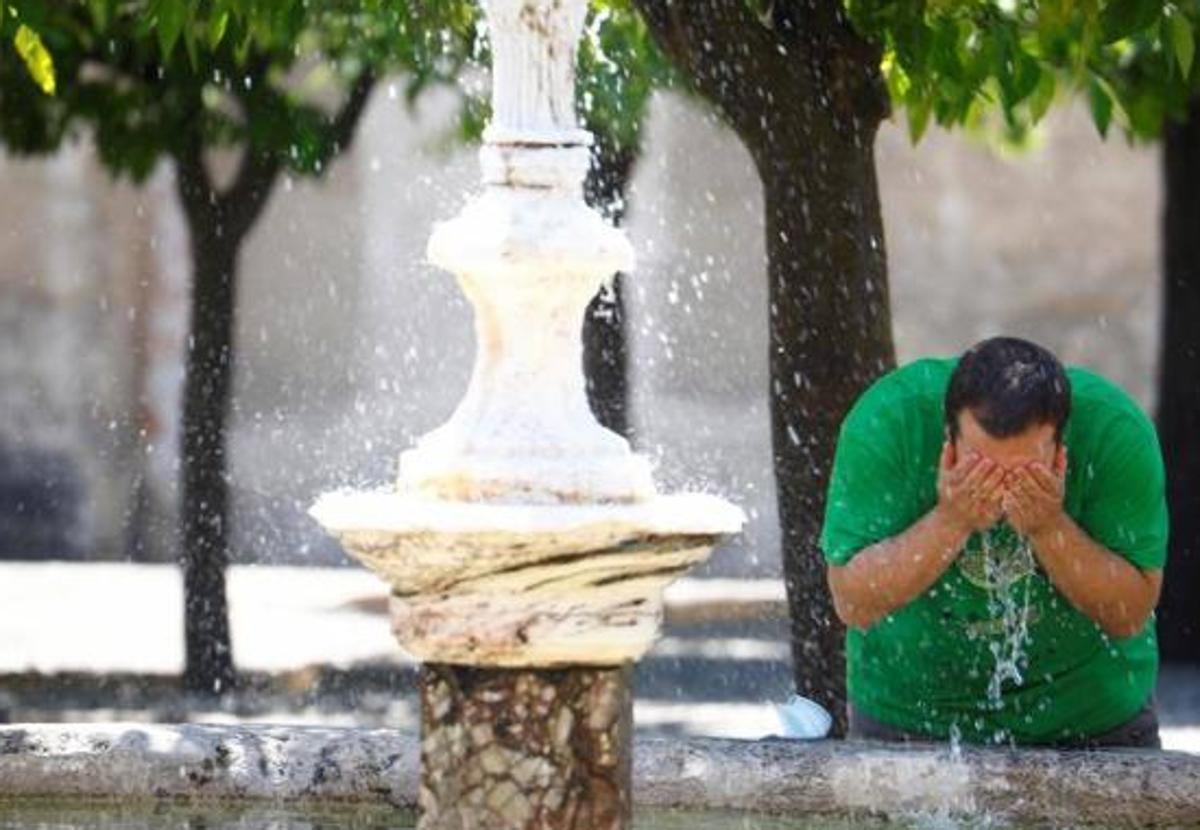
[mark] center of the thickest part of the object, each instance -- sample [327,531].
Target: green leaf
[217,25]
[1102,106]
[37,59]
[1146,109]
[918,118]
[189,43]
[170,17]
[1122,18]
[1183,42]
[99,12]
[1042,97]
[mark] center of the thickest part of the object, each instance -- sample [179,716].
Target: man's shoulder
[1097,402]
[1088,384]
[922,379]
[907,399]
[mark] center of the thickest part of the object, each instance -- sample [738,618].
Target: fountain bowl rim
[393,511]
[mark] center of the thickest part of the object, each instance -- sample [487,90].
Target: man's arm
[1116,594]
[1113,592]
[891,573]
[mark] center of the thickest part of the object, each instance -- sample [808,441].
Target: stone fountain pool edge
[829,778]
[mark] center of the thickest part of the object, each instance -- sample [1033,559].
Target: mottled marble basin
[517,585]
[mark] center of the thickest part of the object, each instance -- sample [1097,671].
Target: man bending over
[995,531]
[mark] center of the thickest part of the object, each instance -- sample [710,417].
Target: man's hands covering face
[970,488]
[1033,496]
[975,492]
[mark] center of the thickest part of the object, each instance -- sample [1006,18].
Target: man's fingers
[1023,483]
[1018,494]
[992,481]
[965,464]
[974,478]
[1020,498]
[1045,479]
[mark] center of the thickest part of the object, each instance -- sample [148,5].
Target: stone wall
[72,313]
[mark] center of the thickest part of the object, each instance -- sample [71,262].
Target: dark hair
[1009,385]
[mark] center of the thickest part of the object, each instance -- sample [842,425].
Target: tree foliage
[950,62]
[258,67]
[954,61]
[149,76]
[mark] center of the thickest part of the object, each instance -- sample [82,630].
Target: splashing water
[955,743]
[1009,649]
[1009,607]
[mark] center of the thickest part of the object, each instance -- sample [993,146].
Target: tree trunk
[1178,388]
[205,497]
[605,350]
[805,95]
[830,337]
[218,223]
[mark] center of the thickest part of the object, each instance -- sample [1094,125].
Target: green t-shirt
[993,652]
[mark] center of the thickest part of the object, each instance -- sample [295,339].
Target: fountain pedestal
[526,545]
[527,618]
[525,748]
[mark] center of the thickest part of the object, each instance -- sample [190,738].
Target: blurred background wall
[350,346]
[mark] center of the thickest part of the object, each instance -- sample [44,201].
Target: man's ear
[951,449]
[1060,460]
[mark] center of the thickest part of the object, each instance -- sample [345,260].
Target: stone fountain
[527,549]
[526,546]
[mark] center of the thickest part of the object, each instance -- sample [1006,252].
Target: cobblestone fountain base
[1113,788]
[513,749]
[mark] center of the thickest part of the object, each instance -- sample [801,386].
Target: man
[995,532]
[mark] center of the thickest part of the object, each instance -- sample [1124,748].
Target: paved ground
[316,649]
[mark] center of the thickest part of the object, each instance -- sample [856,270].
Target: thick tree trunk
[806,97]
[830,337]
[1179,387]
[605,350]
[205,497]
[505,749]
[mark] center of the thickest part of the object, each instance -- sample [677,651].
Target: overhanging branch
[718,44]
[345,123]
[701,33]
[243,202]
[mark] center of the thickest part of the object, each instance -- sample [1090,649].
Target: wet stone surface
[519,749]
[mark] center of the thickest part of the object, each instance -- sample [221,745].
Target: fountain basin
[811,780]
[521,585]
[103,814]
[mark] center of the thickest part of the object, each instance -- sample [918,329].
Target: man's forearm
[1111,591]
[890,574]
